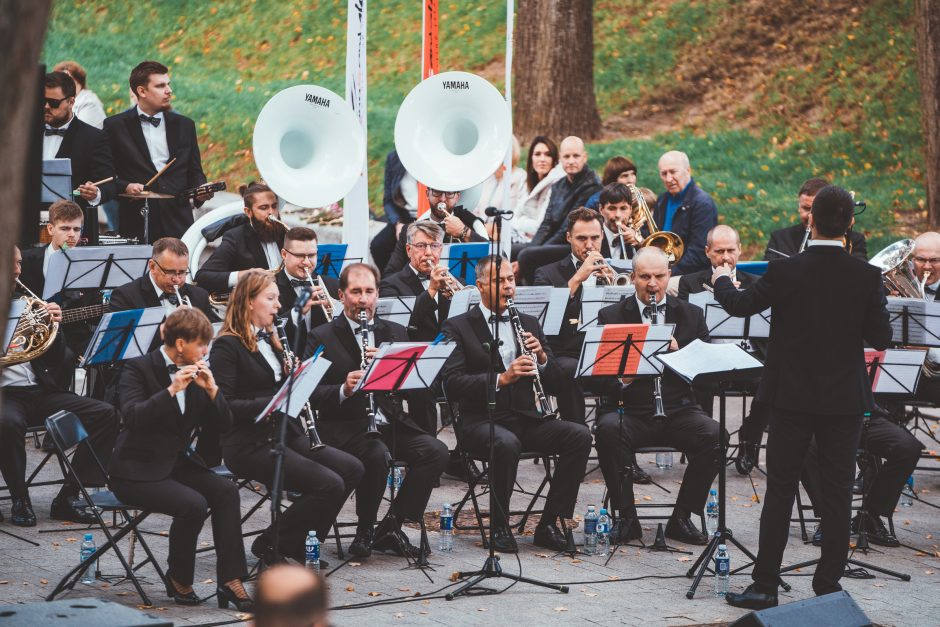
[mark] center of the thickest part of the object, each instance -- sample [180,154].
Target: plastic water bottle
[907,492]
[590,531]
[711,513]
[722,571]
[88,548]
[312,551]
[394,479]
[447,529]
[664,460]
[603,533]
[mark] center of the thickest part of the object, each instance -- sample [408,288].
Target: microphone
[305,293]
[493,212]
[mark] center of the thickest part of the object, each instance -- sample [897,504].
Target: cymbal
[144,195]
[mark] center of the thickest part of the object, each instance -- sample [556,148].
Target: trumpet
[327,307]
[181,300]
[620,278]
[659,413]
[451,284]
[549,412]
[271,218]
[290,362]
[371,430]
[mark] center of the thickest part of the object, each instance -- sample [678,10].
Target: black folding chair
[67,433]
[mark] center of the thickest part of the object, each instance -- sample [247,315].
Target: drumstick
[157,175]
[96,184]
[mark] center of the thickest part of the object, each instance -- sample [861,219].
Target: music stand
[593,299]
[461,259]
[463,300]
[331,258]
[95,267]
[396,309]
[122,335]
[544,302]
[56,180]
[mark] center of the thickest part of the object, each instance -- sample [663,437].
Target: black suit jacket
[638,396]
[399,257]
[338,422]
[466,372]
[788,240]
[248,384]
[288,298]
[139,293]
[156,435]
[90,153]
[240,250]
[568,342]
[428,314]
[132,164]
[692,283]
[825,305]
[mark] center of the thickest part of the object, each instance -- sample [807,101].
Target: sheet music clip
[122,335]
[95,268]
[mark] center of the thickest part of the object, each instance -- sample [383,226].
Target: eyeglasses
[308,257]
[437,194]
[934,261]
[423,246]
[54,102]
[179,273]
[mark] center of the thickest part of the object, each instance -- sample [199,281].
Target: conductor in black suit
[518,424]
[166,395]
[247,360]
[826,306]
[67,137]
[686,426]
[143,140]
[343,417]
[787,241]
[255,243]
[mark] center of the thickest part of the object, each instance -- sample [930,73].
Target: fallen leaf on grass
[576,561]
[648,497]
[150,607]
[125,594]
[244,617]
[754,497]
[614,577]
[71,540]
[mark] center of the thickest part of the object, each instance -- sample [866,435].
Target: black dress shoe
[239,598]
[752,599]
[361,544]
[640,476]
[181,598]
[625,530]
[21,513]
[817,536]
[876,531]
[680,528]
[395,541]
[746,458]
[503,540]
[64,508]
[261,547]
[550,537]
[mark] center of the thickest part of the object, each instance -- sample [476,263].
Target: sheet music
[923,321]
[405,366]
[306,378]
[546,303]
[623,349]
[123,335]
[17,307]
[898,370]
[593,299]
[620,265]
[85,267]
[395,308]
[700,357]
[721,324]
[463,301]
[56,180]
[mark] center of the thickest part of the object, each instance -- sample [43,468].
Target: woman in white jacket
[542,170]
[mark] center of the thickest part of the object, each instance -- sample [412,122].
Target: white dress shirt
[380,418]
[50,148]
[165,302]
[294,314]
[88,108]
[181,395]
[660,303]
[155,136]
[267,351]
[825,242]
[613,242]
[507,340]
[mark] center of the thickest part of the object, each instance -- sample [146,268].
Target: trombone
[667,241]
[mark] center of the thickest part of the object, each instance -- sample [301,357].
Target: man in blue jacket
[686,210]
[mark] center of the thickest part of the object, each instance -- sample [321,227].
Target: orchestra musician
[32,391]
[246,360]
[344,417]
[615,206]
[685,427]
[826,306]
[788,241]
[143,140]
[255,243]
[165,396]
[519,426]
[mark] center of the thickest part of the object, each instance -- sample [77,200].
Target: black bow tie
[930,290]
[424,277]
[171,298]
[154,120]
[299,283]
[55,131]
[648,311]
[172,369]
[494,318]
[262,335]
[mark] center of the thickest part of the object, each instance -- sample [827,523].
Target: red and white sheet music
[623,350]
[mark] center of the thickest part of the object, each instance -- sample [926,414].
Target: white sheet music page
[593,299]
[395,309]
[721,324]
[703,358]
[463,301]
[546,303]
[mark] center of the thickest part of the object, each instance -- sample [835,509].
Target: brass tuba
[34,334]
[667,241]
[897,271]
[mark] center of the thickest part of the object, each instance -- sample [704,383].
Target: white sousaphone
[453,130]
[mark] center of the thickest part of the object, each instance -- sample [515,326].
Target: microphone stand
[491,567]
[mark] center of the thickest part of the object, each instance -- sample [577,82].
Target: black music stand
[528,302]
[911,325]
[461,259]
[398,368]
[395,309]
[95,267]
[123,335]
[595,298]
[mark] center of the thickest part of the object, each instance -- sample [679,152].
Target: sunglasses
[54,102]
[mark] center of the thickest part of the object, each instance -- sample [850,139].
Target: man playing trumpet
[616,208]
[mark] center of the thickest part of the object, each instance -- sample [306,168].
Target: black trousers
[900,451]
[325,478]
[688,429]
[187,495]
[515,435]
[571,395]
[426,457]
[29,407]
[787,446]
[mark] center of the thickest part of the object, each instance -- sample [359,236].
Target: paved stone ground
[638,587]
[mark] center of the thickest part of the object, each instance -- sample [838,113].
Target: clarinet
[545,403]
[371,431]
[290,361]
[659,413]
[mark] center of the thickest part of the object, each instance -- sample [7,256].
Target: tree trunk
[928,70]
[22,29]
[553,70]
